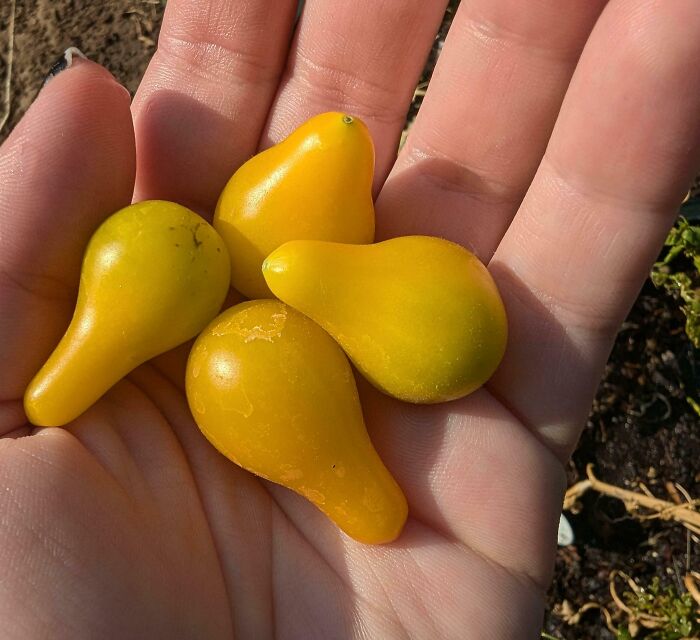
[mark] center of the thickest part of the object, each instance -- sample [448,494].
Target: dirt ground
[119,34]
[641,430]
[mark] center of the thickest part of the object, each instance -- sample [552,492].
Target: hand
[127,524]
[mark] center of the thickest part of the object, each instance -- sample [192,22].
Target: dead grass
[7,90]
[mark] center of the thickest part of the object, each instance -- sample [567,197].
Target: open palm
[127,524]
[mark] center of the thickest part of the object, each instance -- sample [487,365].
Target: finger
[485,121]
[206,93]
[620,160]
[361,57]
[68,164]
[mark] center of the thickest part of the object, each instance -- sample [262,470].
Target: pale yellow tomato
[154,274]
[316,184]
[275,394]
[420,317]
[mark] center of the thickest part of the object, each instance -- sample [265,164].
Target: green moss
[679,272]
[674,614]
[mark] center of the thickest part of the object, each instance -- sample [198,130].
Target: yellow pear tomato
[275,394]
[154,274]
[316,185]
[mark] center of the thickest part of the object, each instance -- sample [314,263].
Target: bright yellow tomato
[316,185]
[420,317]
[154,274]
[276,395]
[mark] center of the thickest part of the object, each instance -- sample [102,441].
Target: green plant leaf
[679,272]
[623,634]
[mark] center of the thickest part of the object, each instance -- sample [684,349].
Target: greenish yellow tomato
[316,184]
[276,395]
[420,317]
[154,274]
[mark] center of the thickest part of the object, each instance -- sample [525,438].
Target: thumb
[68,164]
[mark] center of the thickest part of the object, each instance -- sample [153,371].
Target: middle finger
[363,57]
[486,119]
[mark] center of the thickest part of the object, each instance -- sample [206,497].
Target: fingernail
[66,61]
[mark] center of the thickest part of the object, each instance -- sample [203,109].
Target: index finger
[206,93]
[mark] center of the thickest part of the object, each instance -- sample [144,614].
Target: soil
[641,428]
[119,34]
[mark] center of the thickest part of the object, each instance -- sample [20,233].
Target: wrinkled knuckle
[213,60]
[349,90]
[35,285]
[447,172]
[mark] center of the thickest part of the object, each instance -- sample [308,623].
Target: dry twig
[7,98]
[644,619]
[574,492]
[692,586]
[683,513]
[566,612]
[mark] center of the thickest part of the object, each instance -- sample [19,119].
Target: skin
[130,510]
